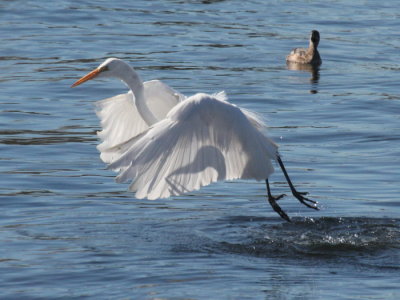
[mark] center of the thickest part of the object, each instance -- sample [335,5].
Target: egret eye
[104,68]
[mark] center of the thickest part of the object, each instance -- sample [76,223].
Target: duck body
[310,55]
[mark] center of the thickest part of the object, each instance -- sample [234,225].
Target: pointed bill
[87,77]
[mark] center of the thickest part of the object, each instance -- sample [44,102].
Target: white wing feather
[202,140]
[121,121]
[160,98]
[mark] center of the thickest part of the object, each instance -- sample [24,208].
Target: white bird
[167,144]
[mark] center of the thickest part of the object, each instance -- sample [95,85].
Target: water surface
[69,231]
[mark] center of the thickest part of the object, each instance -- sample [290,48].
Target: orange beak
[87,77]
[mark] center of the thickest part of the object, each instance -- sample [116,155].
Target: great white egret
[168,144]
[306,56]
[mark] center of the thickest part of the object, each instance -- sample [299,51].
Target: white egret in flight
[167,144]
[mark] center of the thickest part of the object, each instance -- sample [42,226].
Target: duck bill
[87,77]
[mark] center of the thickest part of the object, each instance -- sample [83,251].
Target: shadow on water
[313,70]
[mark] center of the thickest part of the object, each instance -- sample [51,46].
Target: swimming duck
[306,56]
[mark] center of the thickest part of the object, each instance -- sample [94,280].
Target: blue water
[67,230]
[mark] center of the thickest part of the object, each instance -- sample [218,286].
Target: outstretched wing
[160,98]
[121,121]
[202,140]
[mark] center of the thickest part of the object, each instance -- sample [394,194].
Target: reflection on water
[313,70]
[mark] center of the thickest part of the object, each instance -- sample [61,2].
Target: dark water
[69,231]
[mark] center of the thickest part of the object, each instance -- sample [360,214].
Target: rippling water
[69,231]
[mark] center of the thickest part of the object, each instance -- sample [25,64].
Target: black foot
[299,196]
[276,198]
[272,201]
[277,208]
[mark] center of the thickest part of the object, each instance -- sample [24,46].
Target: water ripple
[45,137]
[322,237]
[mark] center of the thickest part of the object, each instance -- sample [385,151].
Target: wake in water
[368,241]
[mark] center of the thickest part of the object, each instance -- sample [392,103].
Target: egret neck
[133,81]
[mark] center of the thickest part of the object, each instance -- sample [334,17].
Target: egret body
[168,144]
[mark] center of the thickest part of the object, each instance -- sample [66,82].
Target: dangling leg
[295,193]
[272,200]
[275,198]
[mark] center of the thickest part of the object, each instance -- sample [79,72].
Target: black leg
[276,198]
[272,200]
[295,193]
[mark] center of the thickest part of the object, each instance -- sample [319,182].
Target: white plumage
[120,119]
[167,144]
[203,139]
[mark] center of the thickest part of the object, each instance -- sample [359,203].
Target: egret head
[111,67]
[315,38]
